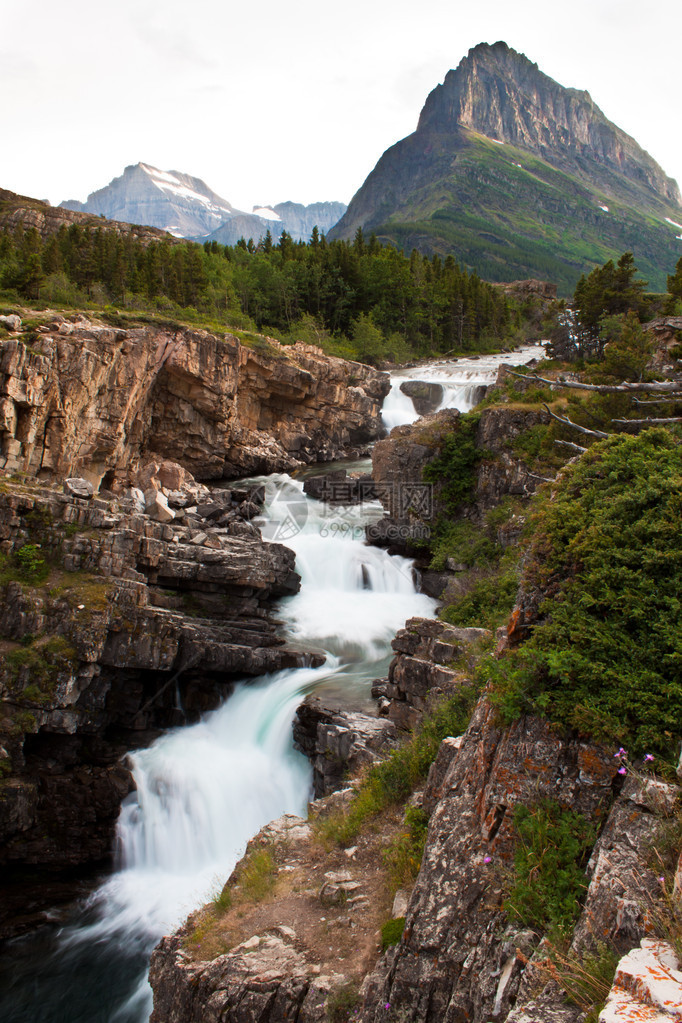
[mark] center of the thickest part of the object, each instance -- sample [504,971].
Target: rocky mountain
[520,177]
[186,207]
[177,203]
[293,217]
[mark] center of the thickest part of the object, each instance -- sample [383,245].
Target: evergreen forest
[357,299]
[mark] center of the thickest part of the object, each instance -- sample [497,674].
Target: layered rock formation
[518,176]
[82,398]
[413,507]
[113,626]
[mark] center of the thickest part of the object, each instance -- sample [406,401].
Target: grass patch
[404,854]
[549,879]
[341,1002]
[94,591]
[32,670]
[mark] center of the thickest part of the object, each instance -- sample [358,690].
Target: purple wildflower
[621,753]
[622,770]
[648,757]
[661,880]
[387,1005]
[487,859]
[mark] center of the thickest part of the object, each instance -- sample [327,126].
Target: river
[204,790]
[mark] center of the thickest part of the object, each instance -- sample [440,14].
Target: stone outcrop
[426,396]
[423,669]
[460,957]
[647,986]
[79,398]
[115,625]
[339,742]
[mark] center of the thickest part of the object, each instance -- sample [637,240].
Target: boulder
[156,506]
[76,486]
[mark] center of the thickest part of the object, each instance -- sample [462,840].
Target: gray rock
[11,322]
[78,487]
[156,506]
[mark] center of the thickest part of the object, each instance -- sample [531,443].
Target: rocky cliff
[462,954]
[82,398]
[518,176]
[116,624]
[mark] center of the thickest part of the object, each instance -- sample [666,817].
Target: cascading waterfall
[204,790]
[460,379]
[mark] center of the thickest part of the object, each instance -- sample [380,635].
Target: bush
[486,605]
[31,565]
[392,932]
[549,880]
[606,656]
[454,468]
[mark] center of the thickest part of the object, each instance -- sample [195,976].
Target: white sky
[269,100]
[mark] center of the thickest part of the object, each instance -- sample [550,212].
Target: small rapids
[460,379]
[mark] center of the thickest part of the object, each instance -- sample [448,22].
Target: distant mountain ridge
[186,207]
[518,176]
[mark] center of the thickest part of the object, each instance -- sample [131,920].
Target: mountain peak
[498,92]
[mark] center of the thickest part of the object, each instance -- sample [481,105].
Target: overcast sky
[269,100]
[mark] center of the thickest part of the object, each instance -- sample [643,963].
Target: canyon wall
[86,399]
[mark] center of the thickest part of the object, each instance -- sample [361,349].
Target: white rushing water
[204,790]
[460,380]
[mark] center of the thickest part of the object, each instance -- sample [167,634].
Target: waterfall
[204,790]
[460,379]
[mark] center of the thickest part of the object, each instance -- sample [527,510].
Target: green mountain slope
[569,192]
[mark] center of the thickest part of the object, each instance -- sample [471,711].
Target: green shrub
[606,656]
[30,563]
[392,932]
[454,468]
[464,543]
[549,880]
[486,605]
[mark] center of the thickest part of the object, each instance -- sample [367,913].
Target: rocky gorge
[142,605]
[141,591]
